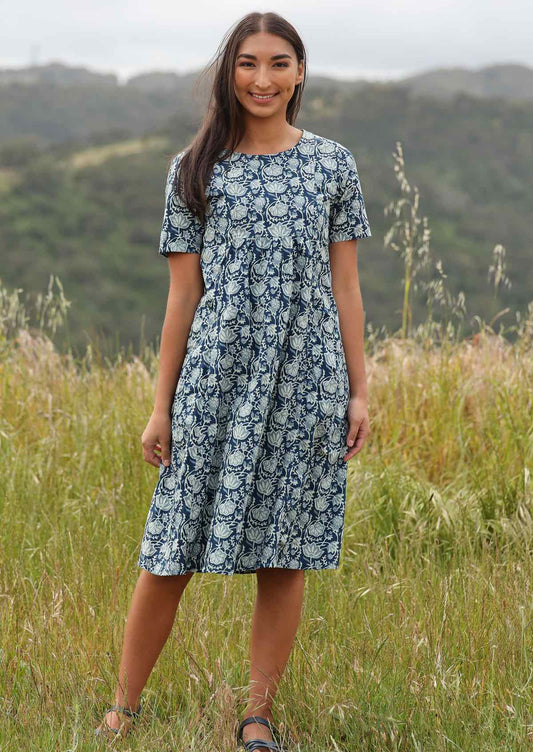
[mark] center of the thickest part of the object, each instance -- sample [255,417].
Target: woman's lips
[262,98]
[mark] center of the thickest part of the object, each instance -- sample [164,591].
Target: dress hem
[236,571]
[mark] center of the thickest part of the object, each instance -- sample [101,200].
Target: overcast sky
[348,39]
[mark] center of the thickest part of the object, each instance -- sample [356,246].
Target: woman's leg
[275,621]
[150,619]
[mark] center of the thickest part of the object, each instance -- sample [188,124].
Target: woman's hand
[357,414]
[157,435]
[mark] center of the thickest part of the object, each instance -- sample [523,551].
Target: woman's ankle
[262,711]
[132,701]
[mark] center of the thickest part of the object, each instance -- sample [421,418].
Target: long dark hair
[223,122]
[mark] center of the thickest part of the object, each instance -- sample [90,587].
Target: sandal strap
[100,731]
[126,711]
[253,744]
[256,719]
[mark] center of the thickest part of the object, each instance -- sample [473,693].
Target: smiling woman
[261,385]
[264,84]
[256,95]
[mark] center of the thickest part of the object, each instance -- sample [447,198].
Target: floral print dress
[259,427]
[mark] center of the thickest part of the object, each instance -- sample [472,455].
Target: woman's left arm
[347,294]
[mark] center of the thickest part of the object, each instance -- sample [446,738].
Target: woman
[262,380]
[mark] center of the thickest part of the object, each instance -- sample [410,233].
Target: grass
[420,641]
[98,154]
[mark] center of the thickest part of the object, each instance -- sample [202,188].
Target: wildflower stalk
[409,236]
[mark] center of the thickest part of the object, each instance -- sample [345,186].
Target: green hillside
[92,215]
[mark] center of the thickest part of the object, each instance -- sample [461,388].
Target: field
[421,641]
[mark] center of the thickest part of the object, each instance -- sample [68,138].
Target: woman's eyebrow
[272,57]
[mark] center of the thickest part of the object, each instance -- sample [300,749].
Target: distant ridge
[511,81]
[56,73]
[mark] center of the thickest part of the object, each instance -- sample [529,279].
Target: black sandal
[253,744]
[105,729]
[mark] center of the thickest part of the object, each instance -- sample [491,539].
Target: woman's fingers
[357,435]
[165,453]
[151,456]
[157,437]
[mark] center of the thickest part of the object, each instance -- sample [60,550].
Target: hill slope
[94,218]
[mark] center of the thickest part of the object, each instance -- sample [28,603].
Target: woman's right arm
[186,289]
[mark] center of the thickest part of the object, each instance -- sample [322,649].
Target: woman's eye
[283,65]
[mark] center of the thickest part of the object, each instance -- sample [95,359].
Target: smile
[262,97]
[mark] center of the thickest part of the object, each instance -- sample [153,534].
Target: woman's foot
[117,722]
[257,731]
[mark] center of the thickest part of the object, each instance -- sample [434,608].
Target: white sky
[348,39]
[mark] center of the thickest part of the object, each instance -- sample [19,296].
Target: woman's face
[266,64]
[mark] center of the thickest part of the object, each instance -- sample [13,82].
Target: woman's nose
[262,79]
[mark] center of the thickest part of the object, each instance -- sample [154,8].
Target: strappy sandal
[105,730]
[253,744]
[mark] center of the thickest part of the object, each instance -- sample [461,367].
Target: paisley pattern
[257,476]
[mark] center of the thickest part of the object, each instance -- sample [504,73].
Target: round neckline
[303,135]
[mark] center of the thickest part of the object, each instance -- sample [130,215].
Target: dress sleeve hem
[338,237]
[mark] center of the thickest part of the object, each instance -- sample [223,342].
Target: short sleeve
[348,219]
[181,231]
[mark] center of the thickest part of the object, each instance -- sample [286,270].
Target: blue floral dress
[259,427]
